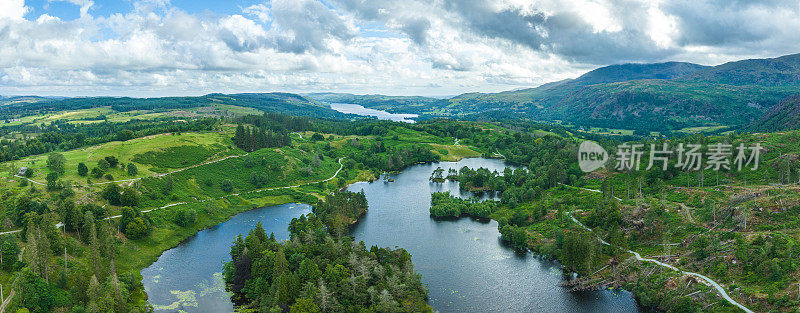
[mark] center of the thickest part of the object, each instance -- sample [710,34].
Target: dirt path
[708,281]
[173,172]
[30,180]
[592,190]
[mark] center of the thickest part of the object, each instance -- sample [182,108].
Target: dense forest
[317,272]
[341,209]
[252,139]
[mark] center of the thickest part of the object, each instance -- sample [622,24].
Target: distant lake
[350,108]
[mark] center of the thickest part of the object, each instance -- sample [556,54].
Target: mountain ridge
[639,96]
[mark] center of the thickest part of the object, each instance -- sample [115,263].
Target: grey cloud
[563,33]
[240,45]
[417,29]
[413,24]
[309,24]
[723,25]
[720,23]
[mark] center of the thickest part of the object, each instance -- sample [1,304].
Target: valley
[106,201]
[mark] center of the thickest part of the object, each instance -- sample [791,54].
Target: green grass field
[210,145]
[454,153]
[107,114]
[701,129]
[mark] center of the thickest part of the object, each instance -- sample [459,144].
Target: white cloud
[260,11]
[13,9]
[415,46]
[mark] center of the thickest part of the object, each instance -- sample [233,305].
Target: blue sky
[69,11]
[411,47]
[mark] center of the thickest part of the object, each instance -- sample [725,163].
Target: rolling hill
[269,102]
[784,116]
[648,97]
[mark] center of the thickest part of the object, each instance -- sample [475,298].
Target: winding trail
[639,257]
[500,154]
[341,166]
[587,189]
[30,180]
[155,175]
[175,171]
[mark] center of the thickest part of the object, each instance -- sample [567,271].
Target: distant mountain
[784,116]
[4,100]
[781,71]
[630,71]
[657,97]
[270,102]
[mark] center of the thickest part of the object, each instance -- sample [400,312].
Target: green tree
[8,253]
[132,169]
[52,181]
[129,197]
[136,229]
[97,172]
[56,162]
[112,193]
[286,289]
[103,164]
[133,224]
[112,161]
[82,169]
[579,252]
[308,271]
[304,306]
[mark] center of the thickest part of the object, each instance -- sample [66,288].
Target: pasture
[152,155]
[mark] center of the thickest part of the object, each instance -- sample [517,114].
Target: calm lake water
[381,115]
[189,277]
[465,265]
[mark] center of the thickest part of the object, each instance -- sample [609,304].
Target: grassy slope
[216,144]
[285,167]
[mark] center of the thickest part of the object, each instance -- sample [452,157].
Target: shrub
[185,217]
[124,135]
[226,185]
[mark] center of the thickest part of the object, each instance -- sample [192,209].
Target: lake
[464,263]
[349,108]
